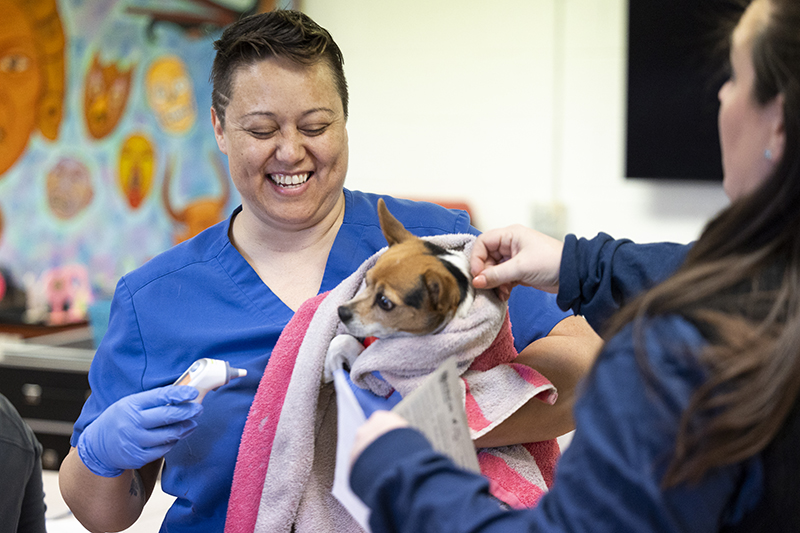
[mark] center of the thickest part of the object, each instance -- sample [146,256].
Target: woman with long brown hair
[689,420]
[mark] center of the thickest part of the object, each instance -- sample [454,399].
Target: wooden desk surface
[26,331]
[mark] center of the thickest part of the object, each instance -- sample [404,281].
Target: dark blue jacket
[609,478]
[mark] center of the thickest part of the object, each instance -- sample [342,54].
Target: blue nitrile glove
[138,429]
[371,402]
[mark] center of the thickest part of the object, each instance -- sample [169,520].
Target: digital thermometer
[209,374]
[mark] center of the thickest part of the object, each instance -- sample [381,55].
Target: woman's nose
[290,147]
[723,90]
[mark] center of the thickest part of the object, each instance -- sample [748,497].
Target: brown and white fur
[415,287]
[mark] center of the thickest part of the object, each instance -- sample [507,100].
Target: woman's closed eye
[311,131]
[261,133]
[314,129]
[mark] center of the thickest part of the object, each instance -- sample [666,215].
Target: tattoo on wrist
[137,487]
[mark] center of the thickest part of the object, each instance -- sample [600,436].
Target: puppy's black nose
[345,314]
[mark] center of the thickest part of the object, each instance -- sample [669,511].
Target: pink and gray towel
[284,470]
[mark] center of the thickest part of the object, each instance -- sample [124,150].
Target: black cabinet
[48,385]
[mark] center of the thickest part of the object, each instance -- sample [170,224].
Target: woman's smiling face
[285,137]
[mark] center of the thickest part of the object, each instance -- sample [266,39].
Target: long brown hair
[753,354]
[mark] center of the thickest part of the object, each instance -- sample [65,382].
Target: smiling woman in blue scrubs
[279,112]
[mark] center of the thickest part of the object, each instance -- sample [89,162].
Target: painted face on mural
[286,140]
[69,188]
[54,216]
[105,96]
[171,94]
[21,83]
[136,169]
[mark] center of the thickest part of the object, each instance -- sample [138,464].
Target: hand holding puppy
[515,255]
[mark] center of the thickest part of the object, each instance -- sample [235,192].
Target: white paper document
[349,418]
[435,408]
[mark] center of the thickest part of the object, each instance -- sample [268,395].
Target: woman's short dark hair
[281,33]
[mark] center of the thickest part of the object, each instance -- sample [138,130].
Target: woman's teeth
[289,180]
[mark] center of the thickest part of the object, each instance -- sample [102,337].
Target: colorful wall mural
[107,155]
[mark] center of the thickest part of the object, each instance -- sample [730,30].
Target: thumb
[496,275]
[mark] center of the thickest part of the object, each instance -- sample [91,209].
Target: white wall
[515,106]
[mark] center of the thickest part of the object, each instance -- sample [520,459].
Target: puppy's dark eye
[384,303]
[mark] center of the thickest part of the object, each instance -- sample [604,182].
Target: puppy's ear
[393,230]
[442,291]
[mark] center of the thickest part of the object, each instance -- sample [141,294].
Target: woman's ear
[776,143]
[219,131]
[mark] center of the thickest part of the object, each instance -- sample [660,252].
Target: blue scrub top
[202,299]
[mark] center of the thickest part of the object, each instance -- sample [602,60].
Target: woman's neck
[253,236]
[290,261]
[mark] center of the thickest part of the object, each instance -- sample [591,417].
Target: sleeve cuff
[377,460]
[569,288]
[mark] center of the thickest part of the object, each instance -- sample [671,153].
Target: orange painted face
[105,96]
[21,83]
[136,169]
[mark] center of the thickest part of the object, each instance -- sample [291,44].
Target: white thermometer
[209,374]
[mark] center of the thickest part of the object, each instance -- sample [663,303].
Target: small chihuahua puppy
[416,287]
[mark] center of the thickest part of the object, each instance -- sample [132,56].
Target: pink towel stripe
[547,453]
[506,484]
[256,443]
[533,377]
[475,419]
